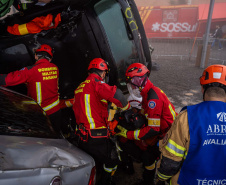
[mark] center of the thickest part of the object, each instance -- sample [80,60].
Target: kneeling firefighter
[91,114]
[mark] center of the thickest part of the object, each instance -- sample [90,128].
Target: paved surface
[179,80]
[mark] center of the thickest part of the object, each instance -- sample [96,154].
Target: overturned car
[108,29]
[78,31]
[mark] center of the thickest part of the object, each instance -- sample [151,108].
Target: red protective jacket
[159,111]
[42,83]
[91,102]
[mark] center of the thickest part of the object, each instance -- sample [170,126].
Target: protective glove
[111,126]
[123,131]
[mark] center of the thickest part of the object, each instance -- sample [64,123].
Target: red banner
[170,21]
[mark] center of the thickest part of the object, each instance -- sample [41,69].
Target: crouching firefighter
[158,110]
[91,114]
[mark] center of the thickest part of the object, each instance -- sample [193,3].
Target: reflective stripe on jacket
[159,111]
[91,102]
[42,83]
[36,25]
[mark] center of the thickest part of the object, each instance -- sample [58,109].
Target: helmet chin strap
[99,75]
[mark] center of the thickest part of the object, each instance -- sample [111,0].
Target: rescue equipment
[84,134]
[98,133]
[36,25]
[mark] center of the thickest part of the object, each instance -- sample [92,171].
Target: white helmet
[134,101]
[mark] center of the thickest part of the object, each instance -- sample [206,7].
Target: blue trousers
[219,43]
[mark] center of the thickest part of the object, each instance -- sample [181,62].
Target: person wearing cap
[91,113]
[194,149]
[42,83]
[158,110]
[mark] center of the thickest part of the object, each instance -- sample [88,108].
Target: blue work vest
[205,163]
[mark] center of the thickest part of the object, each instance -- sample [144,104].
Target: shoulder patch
[152,104]
[152,94]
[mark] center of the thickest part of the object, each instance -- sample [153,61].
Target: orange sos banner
[170,21]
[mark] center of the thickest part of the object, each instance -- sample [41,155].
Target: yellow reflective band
[23,29]
[110,170]
[100,127]
[172,112]
[68,103]
[103,100]
[24,5]
[136,134]
[175,149]
[88,111]
[162,176]
[126,107]
[51,105]
[185,155]
[152,167]
[153,122]
[39,92]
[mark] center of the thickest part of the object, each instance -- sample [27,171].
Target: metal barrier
[185,49]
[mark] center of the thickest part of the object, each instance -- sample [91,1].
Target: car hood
[18,153]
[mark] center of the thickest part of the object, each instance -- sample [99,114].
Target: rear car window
[119,36]
[22,116]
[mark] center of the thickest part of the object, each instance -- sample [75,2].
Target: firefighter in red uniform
[91,114]
[159,113]
[42,83]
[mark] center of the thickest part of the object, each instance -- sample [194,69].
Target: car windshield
[22,116]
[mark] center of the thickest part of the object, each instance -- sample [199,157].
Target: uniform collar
[42,61]
[147,87]
[93,75]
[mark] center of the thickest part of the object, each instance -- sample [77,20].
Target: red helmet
[98,63]
[45,48]
[214,74]
[136,69]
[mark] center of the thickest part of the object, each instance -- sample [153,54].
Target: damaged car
[32,153]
